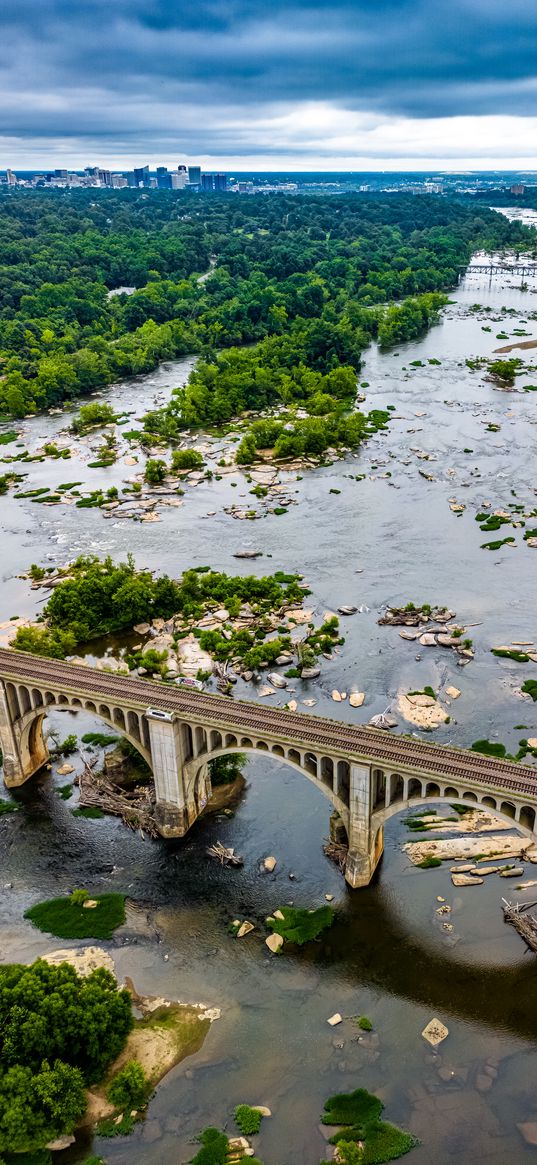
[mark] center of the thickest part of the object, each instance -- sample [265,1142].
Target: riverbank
[164,1032]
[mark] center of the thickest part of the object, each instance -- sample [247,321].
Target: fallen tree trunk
[525,924]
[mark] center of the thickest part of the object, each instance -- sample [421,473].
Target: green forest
[305,281]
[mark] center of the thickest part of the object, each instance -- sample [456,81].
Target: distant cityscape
[192,178]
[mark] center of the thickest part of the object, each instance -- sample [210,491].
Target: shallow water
[386,956]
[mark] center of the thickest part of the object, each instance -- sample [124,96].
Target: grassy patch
[359,1114]
[65,791]
[530,687]
[496,545]
[510,653]
[101,739]
[301,926]
[429,863]
[67,919]
[364,1023]
[89,811]
[8,807]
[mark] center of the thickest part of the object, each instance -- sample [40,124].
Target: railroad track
[301,728]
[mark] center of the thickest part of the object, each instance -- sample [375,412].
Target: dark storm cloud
[149,72]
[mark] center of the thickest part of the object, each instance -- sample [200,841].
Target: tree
[186,459]
[155,471]
[129,1088]
[82,1022]
[37,1107]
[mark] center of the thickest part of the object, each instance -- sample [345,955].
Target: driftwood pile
[135,807]
[225,855]
[525,924]
[337,852]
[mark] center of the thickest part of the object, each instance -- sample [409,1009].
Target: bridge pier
[176,808]
[366,845]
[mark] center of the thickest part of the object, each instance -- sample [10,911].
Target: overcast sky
[269,84]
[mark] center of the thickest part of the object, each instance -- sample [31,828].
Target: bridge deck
[230,715]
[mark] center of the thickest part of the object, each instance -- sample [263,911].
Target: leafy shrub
[214,1148]
[130,1087]
[248,1119]
[186,459]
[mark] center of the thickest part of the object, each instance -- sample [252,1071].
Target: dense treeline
[99,597]
[307,272]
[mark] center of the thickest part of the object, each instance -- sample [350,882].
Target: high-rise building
[11,178]
[207,183]
[162,170]
[60,174]
[220,182]
[164,180]
[141,175]
[181,169]
[104,177]
[119,181]
[194,175]
[179,179]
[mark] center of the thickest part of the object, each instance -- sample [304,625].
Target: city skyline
[302,86]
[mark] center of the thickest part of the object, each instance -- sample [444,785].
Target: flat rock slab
[435,1032]
[274,942]
[335,1019]
[529,1132]
[514,873]
[465,880]
[245,928]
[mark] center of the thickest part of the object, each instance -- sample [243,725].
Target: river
[389,538]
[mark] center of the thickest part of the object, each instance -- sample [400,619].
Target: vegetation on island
[248,1119]
[73,917]
[98,597]
[60,1033]
[301,926]
[362,1137]
[298,268]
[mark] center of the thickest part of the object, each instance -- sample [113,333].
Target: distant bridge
[365,773]
[498,269]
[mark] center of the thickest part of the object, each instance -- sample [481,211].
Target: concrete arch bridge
[366,774]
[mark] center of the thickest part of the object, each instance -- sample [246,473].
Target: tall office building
[194,175]
[60,174]
[181,169]
[119,181]
[11,178]
[141,175]
[105,177]
[220,182]
[207,183]
[179,179]
[164,180]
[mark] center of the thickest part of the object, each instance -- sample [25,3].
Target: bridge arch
[524,821]
[31,738]
[196,768]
